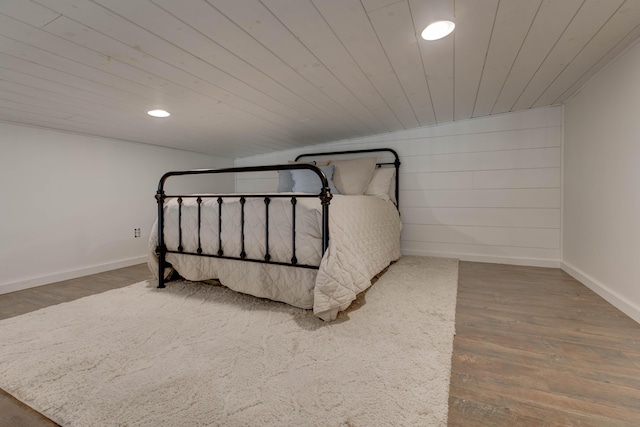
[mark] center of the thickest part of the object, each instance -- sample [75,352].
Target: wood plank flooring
[533,348]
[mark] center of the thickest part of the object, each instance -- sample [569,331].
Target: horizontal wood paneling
[256,185]
[492,198]
[481,189]
[520,237]
[485,141]
[486,217]
[494,236]
[507,159]
[436,180]
[518,178]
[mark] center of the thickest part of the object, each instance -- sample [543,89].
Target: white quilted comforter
[364,239]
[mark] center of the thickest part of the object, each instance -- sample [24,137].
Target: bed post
[396,164]
[161,249]
[325,199]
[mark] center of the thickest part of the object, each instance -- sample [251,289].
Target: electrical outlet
[136,232]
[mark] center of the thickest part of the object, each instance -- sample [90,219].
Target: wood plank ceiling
[244,77]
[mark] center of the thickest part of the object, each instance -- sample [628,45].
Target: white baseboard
[531,262]
[621,303]
[5,288]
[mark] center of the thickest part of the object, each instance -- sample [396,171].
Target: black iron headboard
[395,163]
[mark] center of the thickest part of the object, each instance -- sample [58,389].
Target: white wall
[485,189]
[70,203]
[601,230]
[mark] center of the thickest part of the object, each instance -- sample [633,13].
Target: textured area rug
[197,355]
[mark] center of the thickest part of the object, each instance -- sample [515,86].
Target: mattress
[364,239]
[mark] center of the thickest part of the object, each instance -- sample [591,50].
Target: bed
[315,243]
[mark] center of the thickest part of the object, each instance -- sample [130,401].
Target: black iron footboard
[161,249]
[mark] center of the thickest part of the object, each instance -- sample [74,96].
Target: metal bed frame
[324,196]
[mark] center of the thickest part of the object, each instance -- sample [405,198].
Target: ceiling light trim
[438,30]
[159,113]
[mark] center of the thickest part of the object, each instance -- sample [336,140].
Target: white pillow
[352,176]
[382,183]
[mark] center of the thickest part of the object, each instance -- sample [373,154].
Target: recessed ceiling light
[158,113]
[438,30]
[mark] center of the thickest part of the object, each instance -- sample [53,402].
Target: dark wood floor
[533,348]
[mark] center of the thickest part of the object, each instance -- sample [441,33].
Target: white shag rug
[198,355]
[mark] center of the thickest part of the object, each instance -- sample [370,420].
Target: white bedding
[364,239]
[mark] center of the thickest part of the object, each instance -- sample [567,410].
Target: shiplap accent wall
[485,189]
